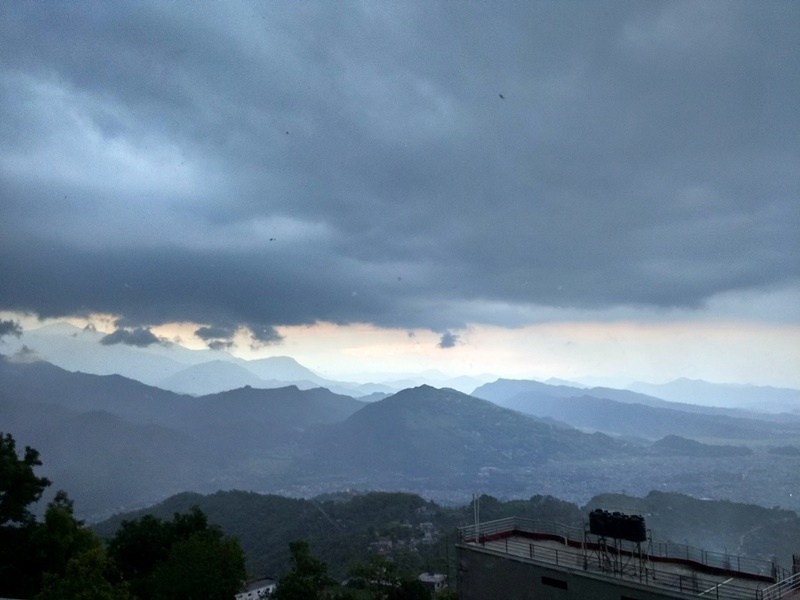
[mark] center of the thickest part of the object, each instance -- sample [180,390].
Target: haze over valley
[274,426]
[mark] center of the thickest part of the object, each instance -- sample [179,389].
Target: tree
[85,578]
[137,548]
[204,565]
[57,558]
[60,558]
[61,537]
[182,558]
[19,485]
[19,488]
[410,589]
[377,576]
[383,582]
[308,578]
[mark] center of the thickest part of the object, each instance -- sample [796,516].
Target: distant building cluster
[413,536]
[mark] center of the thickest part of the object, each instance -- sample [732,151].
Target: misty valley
[117,444]
[379,476]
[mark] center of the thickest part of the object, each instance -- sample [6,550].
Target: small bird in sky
[501,96]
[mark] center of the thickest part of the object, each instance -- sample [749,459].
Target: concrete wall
[484,575]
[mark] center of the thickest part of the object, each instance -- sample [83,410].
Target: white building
[257,590]
[435,582]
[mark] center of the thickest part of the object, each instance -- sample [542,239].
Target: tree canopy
[183,558]
[60,558]
[308,579]
[19,485]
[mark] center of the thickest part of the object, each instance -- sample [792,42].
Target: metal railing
[656,550]
[511,524]
[580,551]
[717,560]
[693,584]
[782,589]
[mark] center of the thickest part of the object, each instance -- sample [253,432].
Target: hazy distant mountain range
[114,442]
[626,413]
[197,372]
[178,369]
[750,397]
[686,395]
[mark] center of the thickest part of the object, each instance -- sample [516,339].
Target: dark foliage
[307,580]
[60,558]
[185,557]
[19,485]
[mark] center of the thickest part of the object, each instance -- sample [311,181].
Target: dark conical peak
[429,389]
[430,400]
[427,392]
[253,392]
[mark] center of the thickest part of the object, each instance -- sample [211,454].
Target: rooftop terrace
[677,569]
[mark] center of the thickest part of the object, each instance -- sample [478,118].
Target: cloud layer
[257,165]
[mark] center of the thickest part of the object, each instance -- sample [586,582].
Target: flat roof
[672,568]
[670,576]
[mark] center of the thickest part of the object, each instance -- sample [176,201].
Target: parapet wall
[483,575]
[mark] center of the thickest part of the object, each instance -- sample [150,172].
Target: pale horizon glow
[608,353]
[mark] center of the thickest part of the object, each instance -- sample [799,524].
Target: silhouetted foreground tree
[182,558]
[308,579]
[62,559]
[87,576]
[19,485]
[43,557]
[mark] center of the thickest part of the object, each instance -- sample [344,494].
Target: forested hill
[720,525]
[344,528]
[419,534]
[117,444]
[429,432]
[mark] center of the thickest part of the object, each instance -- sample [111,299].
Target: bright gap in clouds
[613,353]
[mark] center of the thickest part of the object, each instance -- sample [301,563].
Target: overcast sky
[458,177]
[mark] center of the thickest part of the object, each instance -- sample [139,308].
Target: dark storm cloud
[448,340]
[10,328]
[139,336]
[213,333]
[220,344]
[217,337]
[26,355]
[264,334]
[260,165]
